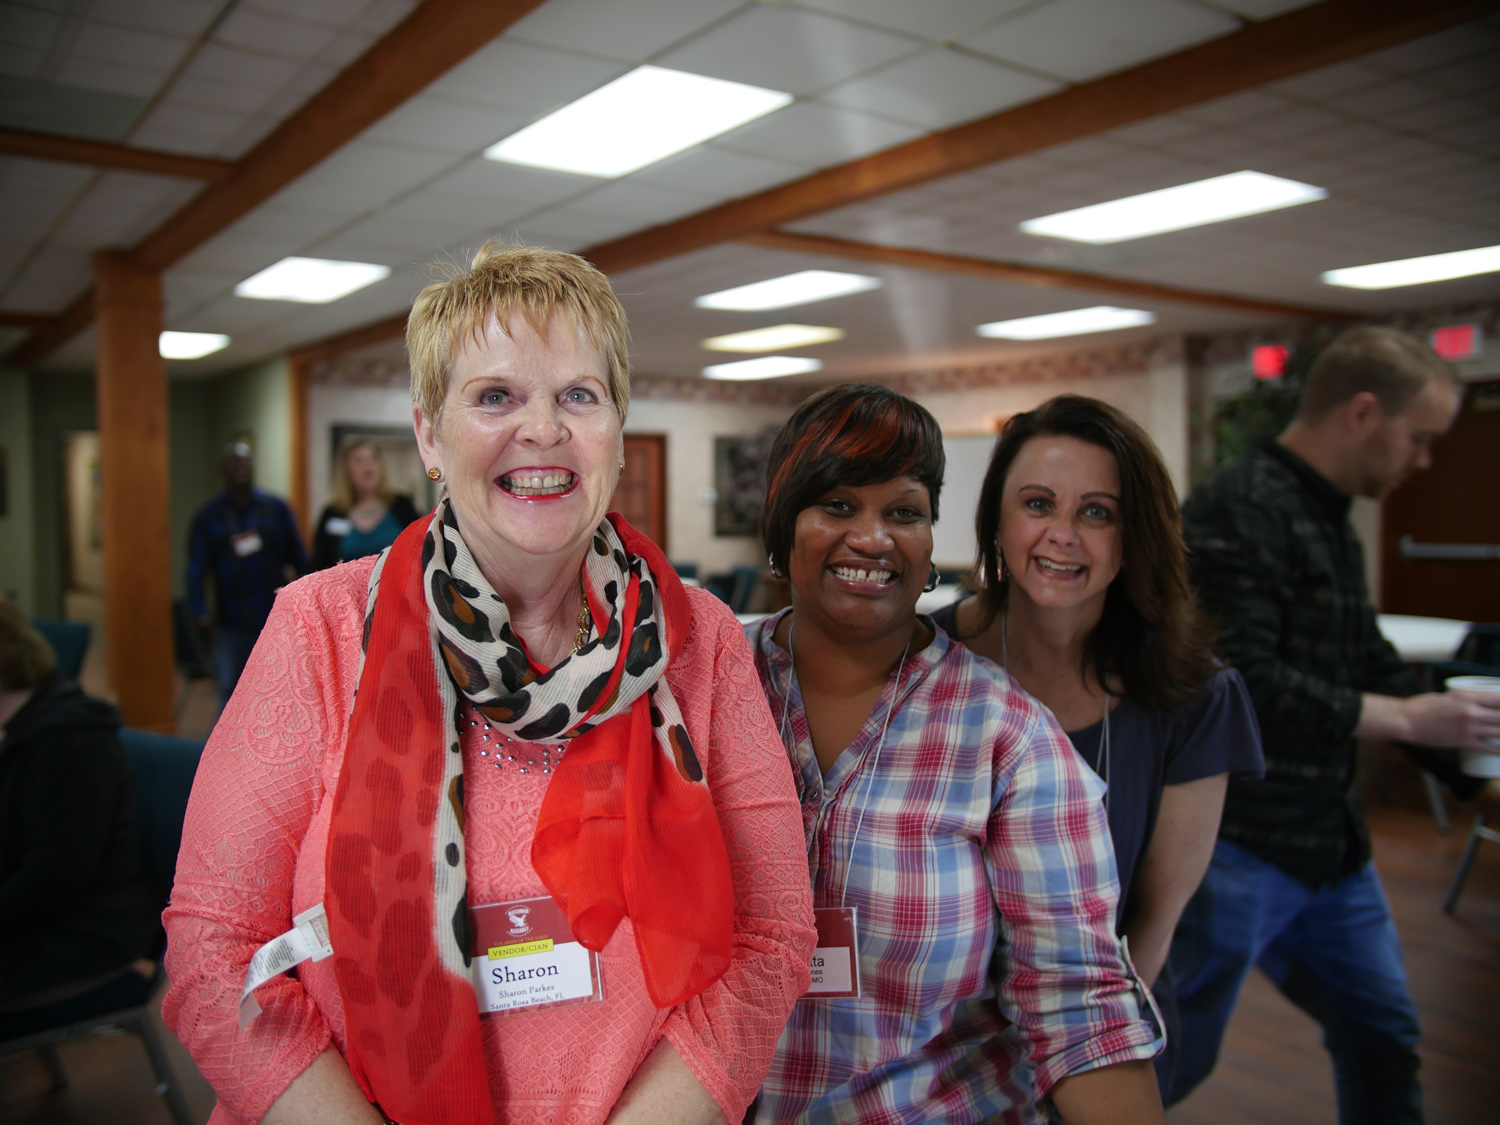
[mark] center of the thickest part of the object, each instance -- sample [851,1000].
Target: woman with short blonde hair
[552,836]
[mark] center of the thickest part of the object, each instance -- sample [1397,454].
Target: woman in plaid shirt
[956,843]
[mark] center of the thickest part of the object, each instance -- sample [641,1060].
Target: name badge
[337,525]
[525,956]
[835,961]
[246,543]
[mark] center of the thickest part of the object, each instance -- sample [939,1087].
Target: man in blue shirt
[248,541]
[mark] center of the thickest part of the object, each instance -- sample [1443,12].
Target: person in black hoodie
[80,911]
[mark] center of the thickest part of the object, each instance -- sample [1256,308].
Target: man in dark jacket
[78,906]
[247,541]
[1291,886]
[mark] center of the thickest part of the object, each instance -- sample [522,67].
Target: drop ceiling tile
[183,128]
[21,62]
[784,49]
[23,26]
[467,214]
[1388,97]
[235,256]
[187,18]
[627,30]
[247,136]
[1329,81]
[234,67]
[334,13]
[1121,34]
[1292,123]
[346,46]
[114,78]
[1156,130]
[185,292]
[231,315]
[1436,50]
[524,78]
[393,242]
[817,135]
[1250,105]
[102,43]
[939,88]
[273,34]
[511,188]
[1478,72]
[645,203]
[361,175]
[427,121]
[1434,115]
[719,173]
[1482,133]
[933,20]
[579,228]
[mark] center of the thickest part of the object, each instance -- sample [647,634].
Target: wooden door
[641,495]
[1453,510]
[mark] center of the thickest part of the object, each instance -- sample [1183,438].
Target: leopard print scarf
[627,826]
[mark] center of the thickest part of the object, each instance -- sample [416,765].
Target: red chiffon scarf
[627,827]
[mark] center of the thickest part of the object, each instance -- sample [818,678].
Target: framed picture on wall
[740,481]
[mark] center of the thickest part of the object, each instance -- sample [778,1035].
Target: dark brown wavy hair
[852,434]
[1151,635]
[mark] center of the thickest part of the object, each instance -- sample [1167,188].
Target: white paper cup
[1475,763]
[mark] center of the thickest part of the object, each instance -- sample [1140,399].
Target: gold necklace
[585,622]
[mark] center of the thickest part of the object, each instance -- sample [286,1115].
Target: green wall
[17,560]
[37,410]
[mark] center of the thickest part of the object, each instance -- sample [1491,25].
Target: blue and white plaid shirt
[977,853]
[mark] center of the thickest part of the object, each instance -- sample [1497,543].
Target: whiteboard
[953,544]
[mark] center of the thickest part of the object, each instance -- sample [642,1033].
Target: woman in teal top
[364,516]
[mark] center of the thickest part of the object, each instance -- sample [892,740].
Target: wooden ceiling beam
[1046,277]
[437,36]
[1316,36]
[102,154]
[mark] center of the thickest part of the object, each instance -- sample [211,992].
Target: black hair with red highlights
[853,434]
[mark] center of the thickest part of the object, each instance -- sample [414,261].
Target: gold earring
[622,468]
[435,474]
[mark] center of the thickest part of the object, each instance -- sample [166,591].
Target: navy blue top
[1213,732]
[245,585]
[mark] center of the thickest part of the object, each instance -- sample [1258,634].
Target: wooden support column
[131,382]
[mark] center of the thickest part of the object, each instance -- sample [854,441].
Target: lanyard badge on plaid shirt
[835,960]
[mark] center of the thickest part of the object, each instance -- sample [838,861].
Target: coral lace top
[257,829]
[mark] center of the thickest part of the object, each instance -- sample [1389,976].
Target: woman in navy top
[1084,599]
[365,515]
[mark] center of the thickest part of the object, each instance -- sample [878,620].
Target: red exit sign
[1268,361]
[1458,341]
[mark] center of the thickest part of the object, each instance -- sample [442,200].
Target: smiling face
[1060,522]
[528,442]
[860,556]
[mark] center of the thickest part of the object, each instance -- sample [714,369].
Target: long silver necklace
[1103,770]
[885,725]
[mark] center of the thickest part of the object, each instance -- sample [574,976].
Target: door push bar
[1468,552]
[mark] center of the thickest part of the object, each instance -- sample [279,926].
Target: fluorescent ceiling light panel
[773,338]
[1418,271]
[1100,318]
[793,289]
[190,345]
[313,281]
[1176,208]
[634,121]
[766,367]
